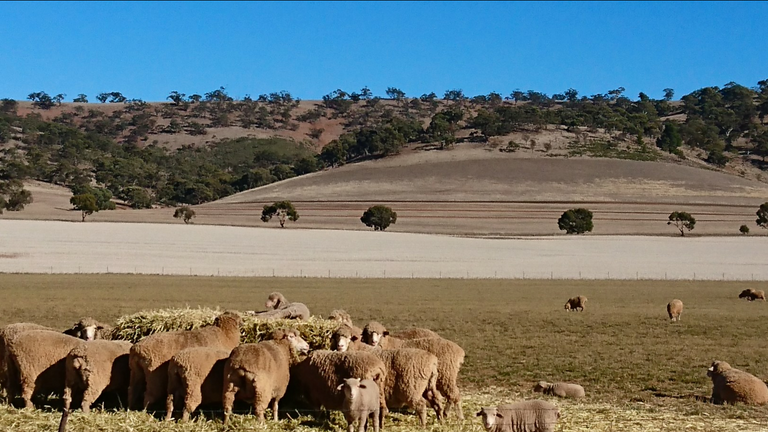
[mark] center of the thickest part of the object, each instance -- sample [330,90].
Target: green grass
[622,349]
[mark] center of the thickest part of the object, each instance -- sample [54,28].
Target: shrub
[744,229]
[576,221]
[185,213]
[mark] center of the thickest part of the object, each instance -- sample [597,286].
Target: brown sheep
[675,309]
[149,357]
[343,317]
[730,385]
[560,389]
[10,384]
[89,329]
[195,376]
[96,367]
[260,372]
[752,294]
[39,358]
[576,303]
[279,308]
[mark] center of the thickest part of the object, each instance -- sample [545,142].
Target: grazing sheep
[319,374]
[260,372]
[90,329]
[415,333]
[343,317]
[149,357]
[195,376]
[560,389]
[361,401]
[576,303]
[38,358]
[96,367]
[752,294]
[9,384]
[730,385]
[675,309]
[525,416]
[279,308]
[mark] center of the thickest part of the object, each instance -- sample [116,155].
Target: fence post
[551,274]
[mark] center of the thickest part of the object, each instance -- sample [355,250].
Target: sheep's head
[229,318]
[294,339]
[341,316]
[490,415]
[351,388]
[275,300]
[540,386]
[342,338]
[373,332]
[717,368]
[568,305]
[746,293]
[86,329]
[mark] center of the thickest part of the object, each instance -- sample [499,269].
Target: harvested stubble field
[641,372]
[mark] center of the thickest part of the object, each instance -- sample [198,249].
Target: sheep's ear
[362,386]
[499,415]
[479,413]
[354,338]
[340,387]
[386,333]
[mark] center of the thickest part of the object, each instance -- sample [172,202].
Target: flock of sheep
[366,372]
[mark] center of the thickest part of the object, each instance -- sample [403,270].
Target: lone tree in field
[744,229]
[283,209]
[576,221]
[185,213]
[379,217]
[86,203]
[762,215]
[682,221]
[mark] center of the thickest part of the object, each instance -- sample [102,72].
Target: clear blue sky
[147,50]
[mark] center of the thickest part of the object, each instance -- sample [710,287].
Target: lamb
[96,367]
[560,389]
[195,376]
[675,309]
[730,385]
[90,329]
[9,384]
[39,358]
[525,416]
[319,374]
[361,401]
[575,303]
[149,357]
[279,308]
[752,294]
[260,372]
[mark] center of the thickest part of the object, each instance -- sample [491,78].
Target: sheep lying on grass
[149,357]
[361,401]
[96,367]
[564,390]
[195,376]
[675,309]
[526,416]
[752,294]
[730,385]
[576,303]
[260,373]
[90,329]
[279,308]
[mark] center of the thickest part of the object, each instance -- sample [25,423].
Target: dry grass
[640,371]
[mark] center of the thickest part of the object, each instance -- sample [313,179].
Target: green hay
[316,331]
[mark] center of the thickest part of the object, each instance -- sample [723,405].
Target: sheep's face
[274,300]
[540,386]
[568,305]
[88,333]
[341,342]
[351,388]
[490,417]
[717,368]
[297,343]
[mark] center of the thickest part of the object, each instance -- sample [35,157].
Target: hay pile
[316,331]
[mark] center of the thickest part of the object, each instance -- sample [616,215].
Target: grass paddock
[641,372]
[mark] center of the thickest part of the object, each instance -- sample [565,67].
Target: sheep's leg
[376,421]
[363,422]
[436,403]
[259,406]
[89,397]
[27,389]
[192,400]
[169,407]
[228,399]
[274,409]
[67,397]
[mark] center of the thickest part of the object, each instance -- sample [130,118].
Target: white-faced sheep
[95,367]
[260,372]
[576,303]
[752,294]
[319,374]
[279,308]
[90,329]
[525,416]
[560,389]
[38,358]
[361,401]
[675,309]
[195,376]
[9,384]
[149,357]
[730,385]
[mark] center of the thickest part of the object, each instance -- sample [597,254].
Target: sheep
[560,389]
[319,374]
[373,332]
[95,367]
[415,333]
[343,317]
[361,401]
[261,372]
[195,376]
[149,357]
[524,416]
[675,309]
[344,337]
[279,308]
[576,303]
[9,383]
[731,385]
[90,329]
[39,357]
[752,294]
